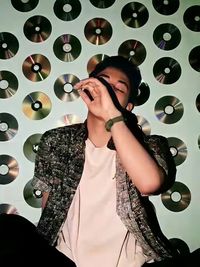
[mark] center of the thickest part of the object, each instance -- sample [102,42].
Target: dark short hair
[127,67]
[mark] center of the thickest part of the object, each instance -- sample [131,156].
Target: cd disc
[24,6]
[9,169]
[194,58]
[144,124]
[37,29]
[93,61]
[8,84]
[8,209]
[166,7]
[8,126]
[102,3]
[68,119]
[180,246]
[31,146]
[36,106]
[198,102]
[9,45]
[67,10]
[199,141]
[36,67]
[167,70]
[63,87]
[143,94]
[67,47]
[178,150]
[98,31]
[167,36]
[133,50]
[134,15]
[191,18]
[32,197]
[177,198]
[169,109]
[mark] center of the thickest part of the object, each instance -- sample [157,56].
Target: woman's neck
[97,132]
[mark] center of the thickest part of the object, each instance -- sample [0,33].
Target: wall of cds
[47,46]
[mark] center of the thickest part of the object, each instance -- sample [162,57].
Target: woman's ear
[130,106]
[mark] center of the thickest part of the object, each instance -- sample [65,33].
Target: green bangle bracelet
[110,122]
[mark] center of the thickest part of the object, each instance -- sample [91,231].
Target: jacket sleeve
[160,150]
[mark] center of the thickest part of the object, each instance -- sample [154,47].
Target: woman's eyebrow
[120,81]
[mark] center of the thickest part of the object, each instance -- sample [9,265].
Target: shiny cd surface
[191,18]
[9,45]
[36,67]
[36,106]
[67,10]
[98,31]
[143,94]
[31,146]
[32,197]
[166,7]
[8,84]
[37,29]
[166,36]
[198,102]
[68,119]
[180,245]
[167,70]
[8,126]
[8,209]
[24,6]
[64,87]
[134,15]
[178,150]
[177,198]
[144,124]
[93,61]
[102,3]
[169,109]
[9,169]
[133,50]
[194,58]
[67,47]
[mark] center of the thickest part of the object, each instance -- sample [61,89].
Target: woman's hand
[100,103]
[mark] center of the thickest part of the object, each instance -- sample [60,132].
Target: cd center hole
[173,151]
[134,15]
[98,31]
[166,2]
[4,84]
[67,48]
[3,126]
[37,193]
[36,67]
[176,196]
[67,8]
[25,1]
[4,45]
[37,28]
[68,88]
[36,105]
[169,109]
[197,18]
[35,148]
[167,70]
[132,53]
[167,36]
[4,169]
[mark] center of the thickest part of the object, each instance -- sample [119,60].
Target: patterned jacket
[58,169]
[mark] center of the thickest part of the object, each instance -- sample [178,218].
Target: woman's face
[119,82]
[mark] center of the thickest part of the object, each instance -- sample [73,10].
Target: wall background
[38,70]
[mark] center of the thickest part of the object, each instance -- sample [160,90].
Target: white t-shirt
[93,234]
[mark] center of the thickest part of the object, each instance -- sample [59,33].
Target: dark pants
[21,245]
